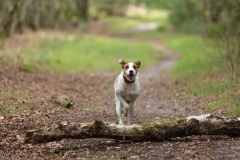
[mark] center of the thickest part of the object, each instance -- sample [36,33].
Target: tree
[35,14]
[82,10]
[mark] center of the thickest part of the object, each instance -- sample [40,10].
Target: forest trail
[160,97]
[93,98]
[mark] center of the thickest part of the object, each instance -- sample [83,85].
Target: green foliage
[68,105]
[35,14]
[187,15]
[203,66]
[224,91]
[213,30]
[235,110]
[136,131]
[27,68]
[193,58]
[86,54]
[161,28]
[155,4]
[60,154]
[109,7]
[200,56]
[193,16]
[59,127]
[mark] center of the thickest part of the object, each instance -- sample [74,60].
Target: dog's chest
[130,91]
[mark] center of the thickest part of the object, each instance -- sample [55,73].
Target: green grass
[234,110]
[232,102]
[88,54]
[27,67]
[192,60]
[202,69]
[7,109]
[11,95]
[191,48]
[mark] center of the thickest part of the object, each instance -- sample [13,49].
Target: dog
[127,89]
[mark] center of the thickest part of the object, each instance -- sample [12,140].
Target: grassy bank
[207,70]
[204,70]
[83,53]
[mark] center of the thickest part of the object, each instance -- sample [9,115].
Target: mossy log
[153,131]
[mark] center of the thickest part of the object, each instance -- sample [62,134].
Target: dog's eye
[126,67]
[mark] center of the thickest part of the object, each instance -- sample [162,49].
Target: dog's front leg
[131,110]
[124,103]
[118,109]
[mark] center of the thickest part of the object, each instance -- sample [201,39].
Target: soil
[38,106]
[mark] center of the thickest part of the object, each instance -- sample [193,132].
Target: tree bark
[82,10]
[154,131]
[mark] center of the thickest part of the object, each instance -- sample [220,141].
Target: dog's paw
[120,122]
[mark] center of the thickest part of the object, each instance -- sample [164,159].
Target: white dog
[127,89]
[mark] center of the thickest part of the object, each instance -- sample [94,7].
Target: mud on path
[37,106]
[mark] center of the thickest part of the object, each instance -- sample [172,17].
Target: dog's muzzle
[131,75]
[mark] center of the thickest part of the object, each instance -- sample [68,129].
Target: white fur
[125,93]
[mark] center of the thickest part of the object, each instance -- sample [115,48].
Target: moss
[169,122]
[94,126]
[97,125]
[163,123]
[136,131]
[68,105]
[60,154]
[59,127]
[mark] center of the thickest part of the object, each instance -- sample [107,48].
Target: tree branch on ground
[154,131]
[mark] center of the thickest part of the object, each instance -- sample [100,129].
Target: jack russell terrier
[127,89]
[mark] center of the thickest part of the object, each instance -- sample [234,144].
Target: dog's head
[130,69]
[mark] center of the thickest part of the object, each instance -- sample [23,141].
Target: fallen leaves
[1,117]
[92,96]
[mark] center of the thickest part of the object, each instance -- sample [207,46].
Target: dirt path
[93,96]
[154,76]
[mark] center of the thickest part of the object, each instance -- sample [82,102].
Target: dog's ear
[122,62]
[137,63]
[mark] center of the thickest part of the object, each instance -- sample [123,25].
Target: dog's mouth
[131,76]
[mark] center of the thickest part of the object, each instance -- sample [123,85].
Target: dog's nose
[131,71]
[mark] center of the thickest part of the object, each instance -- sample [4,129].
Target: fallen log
[154,131]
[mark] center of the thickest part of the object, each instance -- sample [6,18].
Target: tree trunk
[208,12]
[82,10]
[10,24]
[154,131]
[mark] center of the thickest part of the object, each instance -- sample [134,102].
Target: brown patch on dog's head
[137,64]
[122,63]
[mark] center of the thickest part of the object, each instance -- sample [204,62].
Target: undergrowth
[204,69]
